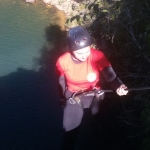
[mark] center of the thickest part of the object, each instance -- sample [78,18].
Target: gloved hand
[122,90]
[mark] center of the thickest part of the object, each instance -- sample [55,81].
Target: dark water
[29,115]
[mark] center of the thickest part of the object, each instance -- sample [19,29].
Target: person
[77,70]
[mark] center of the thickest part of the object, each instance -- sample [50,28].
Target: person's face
[82,54]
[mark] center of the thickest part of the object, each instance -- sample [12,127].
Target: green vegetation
[122,30]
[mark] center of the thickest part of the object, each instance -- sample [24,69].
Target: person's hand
[122,90]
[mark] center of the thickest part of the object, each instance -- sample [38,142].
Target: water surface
[22,33]
[29,114]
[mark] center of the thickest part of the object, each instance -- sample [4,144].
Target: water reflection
[22,28]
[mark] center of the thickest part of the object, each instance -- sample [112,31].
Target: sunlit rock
[30,1]
[47,1]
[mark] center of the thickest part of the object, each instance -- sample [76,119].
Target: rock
[47,1]
[30,1]
[59,7]
[73,9]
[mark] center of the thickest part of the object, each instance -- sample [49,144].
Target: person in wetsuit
[78,70]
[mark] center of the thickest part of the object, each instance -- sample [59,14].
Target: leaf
[104,10]
[113,16]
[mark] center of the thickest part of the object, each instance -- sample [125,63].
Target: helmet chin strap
[74,58]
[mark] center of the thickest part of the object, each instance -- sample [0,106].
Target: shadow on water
[30,116]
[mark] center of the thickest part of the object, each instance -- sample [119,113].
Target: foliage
[122,30]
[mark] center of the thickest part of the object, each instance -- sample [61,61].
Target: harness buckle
[72,101]
[100,92]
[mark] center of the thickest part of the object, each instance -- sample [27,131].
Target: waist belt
[77,96]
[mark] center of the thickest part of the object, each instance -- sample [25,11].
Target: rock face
[64,5]
[71,8]
[74,10]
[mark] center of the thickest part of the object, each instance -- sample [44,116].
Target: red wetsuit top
[84,75]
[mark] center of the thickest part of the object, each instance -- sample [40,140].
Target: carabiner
[72,101]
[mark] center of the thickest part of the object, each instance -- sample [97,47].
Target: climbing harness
[77,96]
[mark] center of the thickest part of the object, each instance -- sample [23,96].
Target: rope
[92,92]
[131,89]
